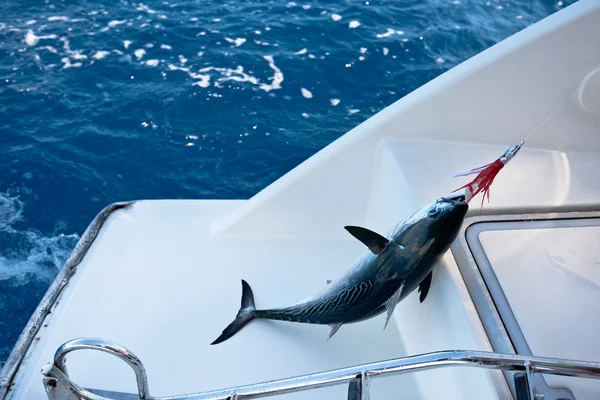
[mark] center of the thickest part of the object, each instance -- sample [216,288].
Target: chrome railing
[59,387]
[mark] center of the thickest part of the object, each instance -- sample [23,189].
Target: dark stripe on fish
[322,311]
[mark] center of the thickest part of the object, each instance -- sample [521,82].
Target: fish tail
[246,314]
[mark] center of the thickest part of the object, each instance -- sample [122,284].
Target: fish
[391,268]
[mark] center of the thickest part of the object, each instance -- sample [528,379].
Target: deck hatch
[535,282]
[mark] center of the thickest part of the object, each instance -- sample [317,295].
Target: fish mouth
[454,198]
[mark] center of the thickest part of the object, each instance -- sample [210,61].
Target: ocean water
[108,101]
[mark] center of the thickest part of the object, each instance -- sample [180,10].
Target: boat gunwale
[52,295]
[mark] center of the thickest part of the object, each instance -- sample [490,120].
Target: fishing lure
[486,174]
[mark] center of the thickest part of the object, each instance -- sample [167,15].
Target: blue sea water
[105,101]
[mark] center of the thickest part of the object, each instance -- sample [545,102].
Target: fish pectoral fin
[373,240]
[424,286]
[334,329]
[390,304]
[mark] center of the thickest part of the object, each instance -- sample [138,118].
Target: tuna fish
[389,271]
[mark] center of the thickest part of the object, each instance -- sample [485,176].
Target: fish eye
[433,212]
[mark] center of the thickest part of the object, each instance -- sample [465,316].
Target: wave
[27,255]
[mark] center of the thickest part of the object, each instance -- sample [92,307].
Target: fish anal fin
[424,286]
[334,329]
[390,304]
[373,240]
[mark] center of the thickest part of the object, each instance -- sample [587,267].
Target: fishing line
[555,111]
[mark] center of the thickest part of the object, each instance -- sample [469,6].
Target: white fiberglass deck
[157,282]
[163,277]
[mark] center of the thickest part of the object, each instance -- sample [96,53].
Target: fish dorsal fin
[390,304]
[328,281]
[334,329]
[424,286]
[373,240]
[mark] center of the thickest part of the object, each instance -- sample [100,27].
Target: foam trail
[277,76]
[32,256]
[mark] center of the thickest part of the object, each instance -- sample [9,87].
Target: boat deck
[156,281]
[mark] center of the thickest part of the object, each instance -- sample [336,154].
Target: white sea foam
[303,51]
[32,255]
[203,79]
[58,18]
[67,63]
[114,23]
[30,22]
[143,7]
[152,63]
[335,102]
[238,41]
[182,59]
[228,74]
[385,51]
[11,211]
[101,54]
[74,54]
[277,77]
[336,17]
[139,53]
[31,39]
[353,24]
[49,48]
[127,43]
[353,111]
[306,93]
[165,47]
[389,32]
[221,75]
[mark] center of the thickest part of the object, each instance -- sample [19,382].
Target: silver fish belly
[392,268]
